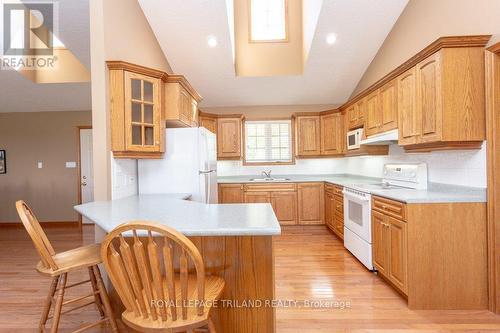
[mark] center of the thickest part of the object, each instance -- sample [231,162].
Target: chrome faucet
[267,174]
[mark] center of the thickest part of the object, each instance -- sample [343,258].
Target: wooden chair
[159,275]
[57,266]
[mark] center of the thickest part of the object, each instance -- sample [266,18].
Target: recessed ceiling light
[331,39]
[212,41]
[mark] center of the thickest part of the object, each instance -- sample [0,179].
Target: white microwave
[354,138]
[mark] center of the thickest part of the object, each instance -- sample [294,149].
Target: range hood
[386,138]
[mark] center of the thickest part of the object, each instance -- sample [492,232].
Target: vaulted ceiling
[19,94]
[330,74]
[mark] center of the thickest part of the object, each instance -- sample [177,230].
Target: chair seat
[66,261]
[213,289]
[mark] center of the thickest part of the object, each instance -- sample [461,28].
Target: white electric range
[357,205]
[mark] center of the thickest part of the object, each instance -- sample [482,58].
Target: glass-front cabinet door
[142,113]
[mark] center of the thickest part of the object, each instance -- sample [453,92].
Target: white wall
[124,178]
[467,167]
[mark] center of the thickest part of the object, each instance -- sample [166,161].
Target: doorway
[85,168]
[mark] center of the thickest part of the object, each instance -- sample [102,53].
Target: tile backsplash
[124,178]
[462,167]
[302,166]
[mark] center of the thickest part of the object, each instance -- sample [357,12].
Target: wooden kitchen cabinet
[411,243]
[285,207]
[389,106]
[332,134]
[355,115]
[380,243]
[373,119]
[229,132]
[329,210]
[281,196]
[429,99]
[231,193]
[308,136]
[209,121]
[339,212]
[409,125]
[181,102]
[137,127]
[398,266]
[311,203]
[448,112]
[382,109]
[257,197]
[389,243]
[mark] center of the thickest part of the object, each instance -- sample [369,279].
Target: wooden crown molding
[118,64]
[495,48]
[316,113]
[438,44]
[177,78]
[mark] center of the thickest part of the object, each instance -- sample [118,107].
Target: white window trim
[250,37]
[269,162]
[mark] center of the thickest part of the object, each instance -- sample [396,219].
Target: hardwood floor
[311,265]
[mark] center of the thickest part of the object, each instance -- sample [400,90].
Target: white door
[86,169]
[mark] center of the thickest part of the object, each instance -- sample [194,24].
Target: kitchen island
[234,240]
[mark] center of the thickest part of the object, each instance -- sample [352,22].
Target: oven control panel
[409,175]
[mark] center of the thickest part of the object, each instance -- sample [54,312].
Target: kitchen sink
[268,179]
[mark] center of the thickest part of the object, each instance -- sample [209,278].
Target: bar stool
[159,276]
[58,265]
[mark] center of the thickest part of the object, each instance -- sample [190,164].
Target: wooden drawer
[338,190]
[339,205]
[389,207]
[330,188]
[280,187]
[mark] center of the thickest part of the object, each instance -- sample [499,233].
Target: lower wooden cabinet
[311,203]
[330,209]
[334,209]
[231,193]
[284,198]
[389,246]
[285,207]
[257,197]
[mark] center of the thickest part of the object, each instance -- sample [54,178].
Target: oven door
[357,215]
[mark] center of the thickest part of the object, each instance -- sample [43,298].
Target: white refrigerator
[189,165]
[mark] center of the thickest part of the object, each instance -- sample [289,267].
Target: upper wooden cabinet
[207,120]
[308,137]
[355,115]
[389,106]
[445,108]
[435,99]
[320,134]
[229,133]
[137,127]
[373,120]
[181,102]
[381,109]
[332,134]
[409,124]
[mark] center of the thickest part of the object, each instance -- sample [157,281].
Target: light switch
[70,165]
[40,165]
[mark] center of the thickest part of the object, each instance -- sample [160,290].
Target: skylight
[268,20]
